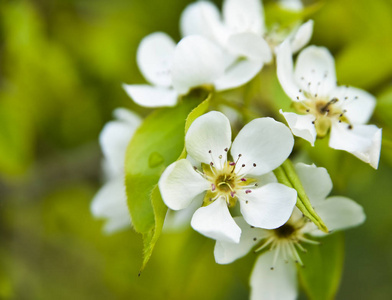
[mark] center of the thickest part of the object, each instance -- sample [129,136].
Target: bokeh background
[62,63]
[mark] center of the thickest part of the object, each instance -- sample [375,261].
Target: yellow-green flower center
[225,183]
[324,111]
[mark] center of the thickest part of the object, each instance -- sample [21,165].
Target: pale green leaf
[156,144]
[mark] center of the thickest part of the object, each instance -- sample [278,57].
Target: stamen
[213,187]
[265,244]
[248,191]
[294,251]
[305,240]
[275,256]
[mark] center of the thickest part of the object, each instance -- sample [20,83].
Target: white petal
[363,141]
[250,45]
[359,105]
[154,58]
[151,96]
[203,18]
[239,73]
[180,184]
[301,126]
[244,16]
[265,179]
[115,136]
[269,206]
[293,5]
[339,213]
[215,221]
[315,71]
[197,61]
[226,252]
[111,203]
[128,116]
[301,36]
[285,72]
[264,142]
[208,137]
[316,181]
[277,284]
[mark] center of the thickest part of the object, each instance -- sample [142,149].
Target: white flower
[274,274]
[174,69]
[261,146]
[241,30]
[325,107]
[111,202]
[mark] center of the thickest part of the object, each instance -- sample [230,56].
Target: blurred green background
[62,63]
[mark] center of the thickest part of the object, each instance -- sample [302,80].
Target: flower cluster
[279,210]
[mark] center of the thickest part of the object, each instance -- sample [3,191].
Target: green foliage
[156,144]
[323,265]
[286,174]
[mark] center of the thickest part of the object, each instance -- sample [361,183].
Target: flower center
[284,231]
[225,183]
[286,241]
[226,180]
[324,112]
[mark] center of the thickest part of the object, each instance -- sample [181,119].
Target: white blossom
[261,146]
[274,274]
[110,202]
[325,107]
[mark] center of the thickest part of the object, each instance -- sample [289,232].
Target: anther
[213,187]
[226,149]
[246,201]
[315,95]
[232,163]
[232,193]
[256,184]
[350,127]
[220,156]
[313,122]
[254,164]
[308,110]
[243,165]
[209,151]
[211,163]
[248,191]
[243,179]
[272,268]
[255,239]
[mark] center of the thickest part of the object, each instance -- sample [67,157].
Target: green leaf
[150,238]
[323,265]
[156,144]
[287,175]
